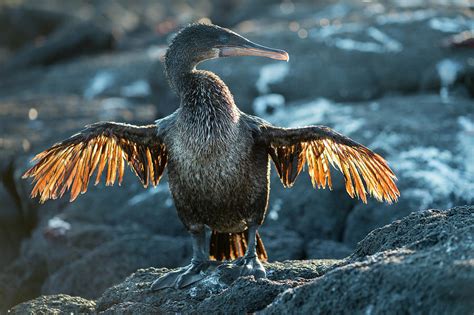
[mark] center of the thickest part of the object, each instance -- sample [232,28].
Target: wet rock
[462,40]
[117,81]
[382,52]
[55,304]
[17,218]
[427,271]
[319,214]
[150,210]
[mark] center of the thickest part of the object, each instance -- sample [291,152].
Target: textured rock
[425,265]
[422,263]
[245,295]
[55,304]
[22,280]
[418,230]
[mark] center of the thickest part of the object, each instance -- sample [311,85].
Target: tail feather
[230,246]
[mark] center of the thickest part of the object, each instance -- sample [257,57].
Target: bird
[218,159]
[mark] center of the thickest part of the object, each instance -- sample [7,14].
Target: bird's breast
[204,158]
[208,163]
[217,180]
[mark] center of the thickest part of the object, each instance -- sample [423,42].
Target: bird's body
[211,152]
[218,158]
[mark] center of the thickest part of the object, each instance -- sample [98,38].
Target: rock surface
[56,304]
[420,264]
[423,263]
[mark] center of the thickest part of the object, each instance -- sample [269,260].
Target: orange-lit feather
[365,172]
[69,165]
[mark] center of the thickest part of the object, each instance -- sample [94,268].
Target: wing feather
[319,147]
[69,165]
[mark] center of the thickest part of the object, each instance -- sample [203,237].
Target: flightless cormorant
[218,158]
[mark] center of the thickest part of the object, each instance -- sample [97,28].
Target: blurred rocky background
[396,75]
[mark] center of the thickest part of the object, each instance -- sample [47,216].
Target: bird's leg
[191,273]
[249,264]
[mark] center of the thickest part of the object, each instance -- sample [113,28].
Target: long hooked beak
[252,49]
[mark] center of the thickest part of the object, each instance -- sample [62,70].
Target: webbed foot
[185,276]
[243,266]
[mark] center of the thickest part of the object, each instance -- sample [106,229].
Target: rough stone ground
[420,264]
[423,263]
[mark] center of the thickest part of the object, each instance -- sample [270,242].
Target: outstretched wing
[70,164]
[320,146]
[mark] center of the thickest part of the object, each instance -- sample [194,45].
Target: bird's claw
[183,277]
[243,266]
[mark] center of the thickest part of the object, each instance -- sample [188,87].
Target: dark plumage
[218,157]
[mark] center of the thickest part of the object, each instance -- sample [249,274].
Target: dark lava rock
[109,263]
[210,295]
[68,42]
[11,227]
[282,244]
[21,280]
[416,231]
[25,25]
[425,266]
[55,304]
[350,52]
[422,263]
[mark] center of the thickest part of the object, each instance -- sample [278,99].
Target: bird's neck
[199,91]
[178,70]
[198,88]
[208,118]
[206,92]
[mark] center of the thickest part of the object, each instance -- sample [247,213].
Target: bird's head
[200,42]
